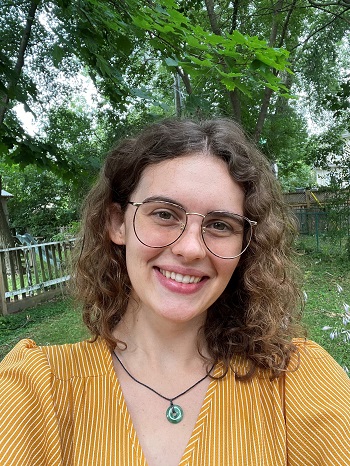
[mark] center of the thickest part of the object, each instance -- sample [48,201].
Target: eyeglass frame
[252,224]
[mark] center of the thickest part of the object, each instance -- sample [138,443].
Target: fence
[32,274]
[317,199]
[325,230]
[323,218]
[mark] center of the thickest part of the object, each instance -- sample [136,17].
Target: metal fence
[324,219]
[32,274]
[326,230]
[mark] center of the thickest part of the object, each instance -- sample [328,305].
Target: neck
[160,342]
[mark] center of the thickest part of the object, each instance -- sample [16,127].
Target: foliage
[338,101]
[42,202]
[223,54]
[283,140]
[67,232]
[220,58]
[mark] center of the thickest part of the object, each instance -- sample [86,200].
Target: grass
[54,322]
[324,276]
[58,321]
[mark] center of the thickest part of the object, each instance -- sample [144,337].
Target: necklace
[174,413]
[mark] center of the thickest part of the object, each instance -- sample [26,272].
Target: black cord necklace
[174,413]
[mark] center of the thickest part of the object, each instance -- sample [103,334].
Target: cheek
[227,269]
[137,254]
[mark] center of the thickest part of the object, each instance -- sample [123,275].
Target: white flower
[340,289]
[346,320]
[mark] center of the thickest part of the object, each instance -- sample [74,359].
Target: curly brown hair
[258,313]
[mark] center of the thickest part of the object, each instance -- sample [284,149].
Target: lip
[178,286]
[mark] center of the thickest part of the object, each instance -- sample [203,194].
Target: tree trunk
[177,95]
[236,105]
[273,37]
[232,95]
[6,238]
[186,80]
[212,17]
[20,59]
[262,114]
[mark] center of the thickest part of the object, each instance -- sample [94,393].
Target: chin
[183,316]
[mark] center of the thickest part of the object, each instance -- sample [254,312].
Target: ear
[116,225]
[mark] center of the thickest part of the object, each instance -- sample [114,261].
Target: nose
[190,245]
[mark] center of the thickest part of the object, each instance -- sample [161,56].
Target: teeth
[178,277]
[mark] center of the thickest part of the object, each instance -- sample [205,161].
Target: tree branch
[273,37]
[234,16]
[322,5]
[233,95]
[212,17]
[318,30]
[186,80]
[20,59]
[286,23]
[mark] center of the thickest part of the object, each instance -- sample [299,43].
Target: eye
[224,224]
[219,226]
[163,214]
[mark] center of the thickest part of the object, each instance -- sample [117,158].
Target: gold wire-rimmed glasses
[159,223]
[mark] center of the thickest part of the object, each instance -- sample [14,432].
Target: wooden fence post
[2,285]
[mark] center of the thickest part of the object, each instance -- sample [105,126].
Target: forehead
[191,180]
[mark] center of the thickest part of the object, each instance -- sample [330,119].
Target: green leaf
[207,63]
[277,62]
[58,53]
[256,64]
[229,83]
[229,75]
[141,22]
[193,41]
[243,87]
[171,62]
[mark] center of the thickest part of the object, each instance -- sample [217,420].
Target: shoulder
[316,386]
[312,361]
[316,407]
[24,361]
[81,359]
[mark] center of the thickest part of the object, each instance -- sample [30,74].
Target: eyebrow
[226,213]
[164,199]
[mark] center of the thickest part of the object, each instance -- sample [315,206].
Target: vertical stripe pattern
[63,406]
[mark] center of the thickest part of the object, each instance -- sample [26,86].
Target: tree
[97,34]
[6,238]
[225,58]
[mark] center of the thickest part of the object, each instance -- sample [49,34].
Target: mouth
[178,277]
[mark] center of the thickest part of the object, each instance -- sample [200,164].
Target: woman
[190,295]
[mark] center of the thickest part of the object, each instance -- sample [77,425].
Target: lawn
[54,322]
[326,284]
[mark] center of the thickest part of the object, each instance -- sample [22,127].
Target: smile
[178,277]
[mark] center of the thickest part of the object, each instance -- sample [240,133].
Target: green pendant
[174,414]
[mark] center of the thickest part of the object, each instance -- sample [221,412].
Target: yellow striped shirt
[63,406]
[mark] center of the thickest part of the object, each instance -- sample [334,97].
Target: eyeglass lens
[159,224]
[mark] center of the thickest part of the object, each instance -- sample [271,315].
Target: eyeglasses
[158,224]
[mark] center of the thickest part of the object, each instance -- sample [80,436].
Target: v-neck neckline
[198,426]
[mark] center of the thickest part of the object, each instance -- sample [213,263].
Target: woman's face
[199,183]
